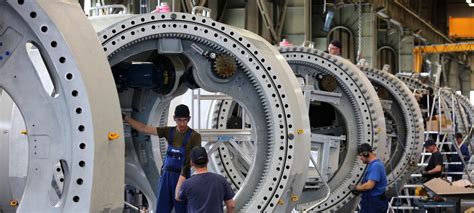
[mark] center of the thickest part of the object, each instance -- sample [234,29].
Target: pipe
[307,21]
[131,206]
[325,183]
[385,16]
[382,14]
[423,21]
[392,50]
[418,57]
[324,6]
[400,38]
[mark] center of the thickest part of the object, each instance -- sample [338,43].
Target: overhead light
[469,1]
[471,4]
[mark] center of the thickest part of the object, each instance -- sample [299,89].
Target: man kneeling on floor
[205,191]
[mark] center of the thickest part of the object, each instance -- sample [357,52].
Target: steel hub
[262,83]
[347,124]
[66,127]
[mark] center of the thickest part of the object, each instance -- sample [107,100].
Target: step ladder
[444,137]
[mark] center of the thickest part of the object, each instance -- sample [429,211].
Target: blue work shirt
[375,172]
[206,193]
[455,158]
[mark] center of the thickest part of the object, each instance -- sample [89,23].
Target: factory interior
[281,116]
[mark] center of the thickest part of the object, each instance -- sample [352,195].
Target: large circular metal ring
[413,83]
[404,123]
[452,104]
[263,84]
[357,116]
[468,108]
[67,114]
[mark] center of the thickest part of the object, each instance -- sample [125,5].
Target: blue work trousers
[166,194]
[374,204]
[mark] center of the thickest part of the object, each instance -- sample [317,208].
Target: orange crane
[418,52]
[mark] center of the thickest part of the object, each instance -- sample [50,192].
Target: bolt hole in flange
[60,173]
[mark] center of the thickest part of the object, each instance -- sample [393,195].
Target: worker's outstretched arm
[141,127]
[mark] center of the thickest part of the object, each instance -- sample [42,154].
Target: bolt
[212,55]
[173,16]
[291,136]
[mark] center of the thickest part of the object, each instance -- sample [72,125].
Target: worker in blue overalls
[176,167]
[374,182]
[462,154]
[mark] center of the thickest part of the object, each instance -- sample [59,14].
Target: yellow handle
[24,132]
[113,136]
[280,202]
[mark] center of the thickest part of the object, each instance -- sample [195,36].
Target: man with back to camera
[457,157]
[335,48]
[374,182]
[435,163]
[176,167]
[205,191]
